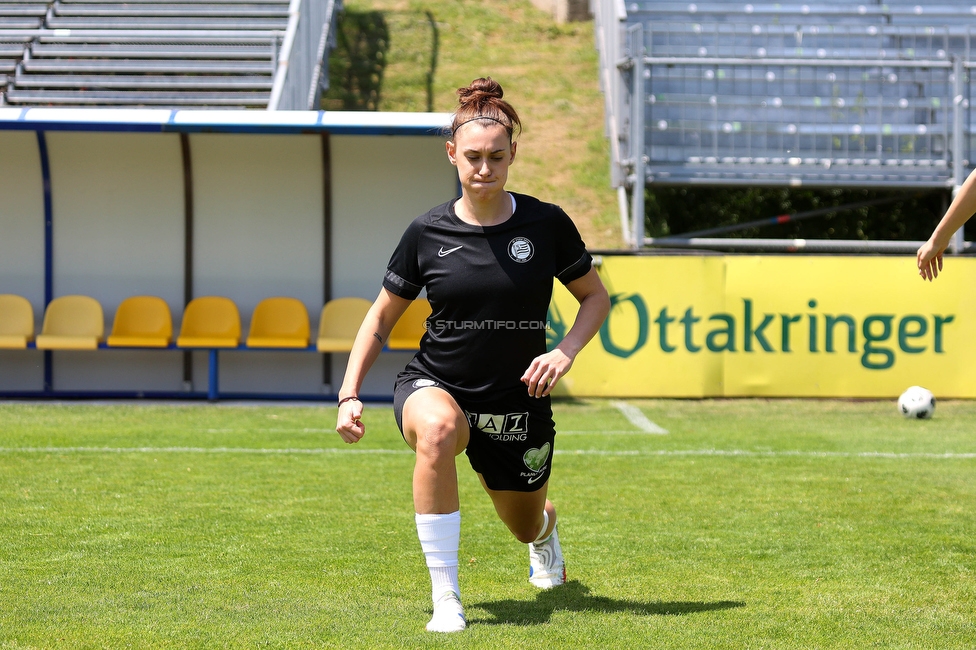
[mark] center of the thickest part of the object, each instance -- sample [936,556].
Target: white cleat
[547,569]
[448,614]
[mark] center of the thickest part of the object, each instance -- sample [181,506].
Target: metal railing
[610,19]
[301,66]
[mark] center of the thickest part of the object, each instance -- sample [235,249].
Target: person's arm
[929,256]
[373,334]
[545,370]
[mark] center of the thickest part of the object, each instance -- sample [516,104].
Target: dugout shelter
[180,204]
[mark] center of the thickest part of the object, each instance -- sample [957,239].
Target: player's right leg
[436,428]
[531,517]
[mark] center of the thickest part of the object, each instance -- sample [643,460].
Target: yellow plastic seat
[16,322]
[339,324]
[143,322]
[210,322]
[279,323]
[410,328]
[72,323]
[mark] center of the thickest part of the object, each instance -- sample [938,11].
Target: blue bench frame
[213,376]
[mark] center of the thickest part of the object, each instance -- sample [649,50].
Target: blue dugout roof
[216,121]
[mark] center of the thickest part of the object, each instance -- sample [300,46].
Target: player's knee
[526,534]
[436,435]
[527,531]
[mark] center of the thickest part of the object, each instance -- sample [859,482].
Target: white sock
[440,536]
[545,524]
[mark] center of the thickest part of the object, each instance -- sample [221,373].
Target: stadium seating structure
[410,328]
[207,322]
[828,93]
[339,323]
[153,53]
[279,322]
[210,322]
[142,322]
[16,322]
[72,323]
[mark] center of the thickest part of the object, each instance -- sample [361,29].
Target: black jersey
[489,289]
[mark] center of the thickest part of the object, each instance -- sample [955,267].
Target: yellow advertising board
[810,326]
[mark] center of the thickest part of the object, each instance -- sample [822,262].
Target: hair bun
[482,100]
[480,90]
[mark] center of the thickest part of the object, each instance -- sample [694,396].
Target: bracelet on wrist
[349,399]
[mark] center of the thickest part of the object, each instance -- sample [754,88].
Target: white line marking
[267,430]
[728,453]
[310,430]
[196,450]
[637,418]
[561,432]
[772,454]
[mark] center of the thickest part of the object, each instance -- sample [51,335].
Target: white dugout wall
[298,204]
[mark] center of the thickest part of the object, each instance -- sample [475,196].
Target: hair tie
[480,117]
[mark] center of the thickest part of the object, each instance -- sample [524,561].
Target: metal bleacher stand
[825,94]
[190,53]
[18,22]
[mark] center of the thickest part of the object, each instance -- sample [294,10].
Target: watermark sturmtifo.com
[486,325]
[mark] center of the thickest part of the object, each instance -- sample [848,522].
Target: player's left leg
[531,518]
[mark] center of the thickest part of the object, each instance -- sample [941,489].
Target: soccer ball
[917,402]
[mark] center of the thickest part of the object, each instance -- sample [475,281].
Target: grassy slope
[549,73]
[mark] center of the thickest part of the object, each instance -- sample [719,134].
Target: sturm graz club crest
[521,250]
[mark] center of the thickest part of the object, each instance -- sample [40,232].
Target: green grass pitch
[751,524]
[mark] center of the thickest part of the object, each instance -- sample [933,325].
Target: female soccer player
[482,378]
[963,206]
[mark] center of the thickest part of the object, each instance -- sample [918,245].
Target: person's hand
[544,371]
[929,260]
[348,424]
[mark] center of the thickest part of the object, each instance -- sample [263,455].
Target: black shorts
[512,439]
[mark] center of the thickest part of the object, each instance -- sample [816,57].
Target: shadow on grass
[574,596]
[358,61]
[367,44]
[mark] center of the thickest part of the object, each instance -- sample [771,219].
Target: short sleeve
[403,276]
[572,260]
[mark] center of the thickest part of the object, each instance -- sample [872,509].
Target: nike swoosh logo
[442,252]
[536,478]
